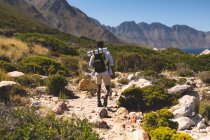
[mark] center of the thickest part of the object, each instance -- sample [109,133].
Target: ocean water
[194,50]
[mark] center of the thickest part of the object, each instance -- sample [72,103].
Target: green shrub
[182,81]
[204,110]
[181,136]
[41,65]
[166,133]
[161,118]
[49,42]
[155,97]
[165,82]
[26,124]
[123,81]
[7,66]
[56,84]
[205,76]
[7,93]
[72,64]
[3,75]
[4,58]
[183,70]
[149,73]
[131,98]
[30,80]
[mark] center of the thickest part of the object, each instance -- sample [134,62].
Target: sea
[194,50]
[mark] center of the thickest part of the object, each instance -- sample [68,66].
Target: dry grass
[39,50]
[13,48]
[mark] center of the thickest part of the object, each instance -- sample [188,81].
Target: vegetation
[160,118]
[24,123]
[149,98]
[204,106]
[7,94]
[166,133]
[204,76]
[41,65]
[7,66]
[49,42]
[56,84]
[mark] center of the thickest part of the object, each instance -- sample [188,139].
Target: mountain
[60,15]
[20,16]
[161,36]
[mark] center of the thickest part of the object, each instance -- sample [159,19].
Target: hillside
[60,15]
[161,36]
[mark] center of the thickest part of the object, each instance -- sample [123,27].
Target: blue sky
[194,13]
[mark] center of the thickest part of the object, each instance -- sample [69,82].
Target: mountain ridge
[159,35]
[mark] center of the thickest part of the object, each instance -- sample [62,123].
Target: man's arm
[91,62]
[111,64]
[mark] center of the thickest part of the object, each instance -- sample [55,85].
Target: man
[104,70]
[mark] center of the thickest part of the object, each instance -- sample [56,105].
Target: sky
[194,13]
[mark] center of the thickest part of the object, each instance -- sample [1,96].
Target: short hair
[100,44]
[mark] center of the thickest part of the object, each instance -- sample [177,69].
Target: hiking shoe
[105,103]
[100,104]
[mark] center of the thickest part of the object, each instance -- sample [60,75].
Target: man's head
[100,44]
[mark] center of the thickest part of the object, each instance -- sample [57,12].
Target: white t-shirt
[108,59]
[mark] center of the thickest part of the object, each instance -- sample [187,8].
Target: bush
[165,82]
[7,66]
[4,58]
[123,81]
[30,80]
[205,76]
[155,97]
[3,75]
[182,81]
[183,70]
[41,65]
[131,98]
[204,110]
[56,84]
[161,118]
[49,42]
[149,74]
[26,124]
[72,64]
[166,133]
[7,94]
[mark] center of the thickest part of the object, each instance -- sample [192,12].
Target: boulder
[131,77]
[87,84]
[7,83]
[15,74]
[180,89]
[184,123]
[122,112]
[60,108]
[35,105]
[100,124]
[103,113]
[41,89]
[132,117]
[186,107]
[205,52]
[139,134]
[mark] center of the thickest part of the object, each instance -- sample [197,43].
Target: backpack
[100,63]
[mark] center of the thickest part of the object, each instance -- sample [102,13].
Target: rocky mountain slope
[161,36]
[60,15]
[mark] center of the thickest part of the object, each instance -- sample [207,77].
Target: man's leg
[108,89]
[99,95]
[98,82]
[107,82]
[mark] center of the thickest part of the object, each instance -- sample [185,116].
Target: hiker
[103,64]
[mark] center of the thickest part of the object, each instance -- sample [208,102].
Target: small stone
[103,113]
[60,108]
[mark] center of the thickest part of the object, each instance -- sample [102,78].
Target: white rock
[205,138]
[139,134]
[131,77]
[35,105]
[186,107]
[205,52]
[179,89]
[184,123]
[41,89]
[7,83]
[15,74]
